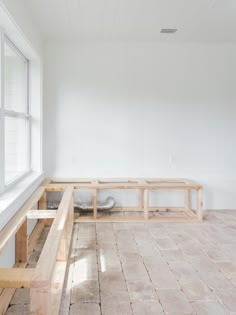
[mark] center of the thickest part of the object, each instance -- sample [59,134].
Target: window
[15,113]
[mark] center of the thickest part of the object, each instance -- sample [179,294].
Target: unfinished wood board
[41,214]
[135,219]
[15,223]
[45,292]
[15,277]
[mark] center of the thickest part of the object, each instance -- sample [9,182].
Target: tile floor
[150,269]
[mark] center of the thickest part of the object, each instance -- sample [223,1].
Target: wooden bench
[46,279]
[143,186]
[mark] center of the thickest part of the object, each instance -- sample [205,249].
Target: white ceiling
[136,20]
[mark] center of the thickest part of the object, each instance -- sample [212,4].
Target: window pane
[16,147]
[15,82]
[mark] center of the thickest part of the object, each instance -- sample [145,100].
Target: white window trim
[11,113]
[2,133]
[15,195]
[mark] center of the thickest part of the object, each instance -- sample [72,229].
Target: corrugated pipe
[108,204]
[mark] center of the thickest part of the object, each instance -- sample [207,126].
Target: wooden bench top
[121,183]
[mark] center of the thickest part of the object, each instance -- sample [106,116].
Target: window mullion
[2,121]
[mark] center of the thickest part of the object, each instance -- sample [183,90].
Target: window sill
[15,197]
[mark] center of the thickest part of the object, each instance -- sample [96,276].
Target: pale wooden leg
[200,204]
[95,204]
[43,202]
[187,199]
[65,241]
[40,301]
[62,253]
[22,244]
[146,203]
[140,199]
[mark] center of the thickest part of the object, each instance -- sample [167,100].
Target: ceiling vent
[168,30]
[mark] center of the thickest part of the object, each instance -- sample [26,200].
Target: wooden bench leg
[187,199]
[95,204]
[200,204]
[140,199]
[40,301]
[146,204]
[22,244]
[43,202]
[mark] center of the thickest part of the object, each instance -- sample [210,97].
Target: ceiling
[135,20]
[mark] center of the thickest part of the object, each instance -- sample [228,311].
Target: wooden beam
[122,183]
[7,294]
[34,237]
[140,199]
[21,243]
[46,181]
[187,199]
[200,204]
[41,214]
[55,248]
[15,223]
[146,204]
[137,219]
[150,209]
[95,203]
[43,201]
[15,277]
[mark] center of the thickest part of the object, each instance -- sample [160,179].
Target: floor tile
[174,302]
[147,308]
[85,309]
[208,308]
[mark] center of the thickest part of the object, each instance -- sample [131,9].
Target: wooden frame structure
[143,186]
[46,279]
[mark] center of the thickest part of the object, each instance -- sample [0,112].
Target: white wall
[143,110]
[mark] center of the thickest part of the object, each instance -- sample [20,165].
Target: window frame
[13,114]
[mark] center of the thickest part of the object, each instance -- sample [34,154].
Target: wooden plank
[7,294]
[21,243]
[15,277]
[200,204]
[187,199]
[66,294]
[122,179]
[57,287]
[5,299]
[41,295]
[140,199]
[124,219]
[15,223]
[95,203]
[123,183]
[34,237]
[46,181]
[43,201]
[44,269]
[41,214]
[151,209]
[131,186]
[60,187]
[146,204]
[60,268]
